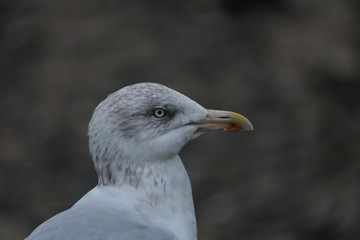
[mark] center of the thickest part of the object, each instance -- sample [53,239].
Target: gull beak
[224,120]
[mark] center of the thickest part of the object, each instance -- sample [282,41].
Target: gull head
[147,122]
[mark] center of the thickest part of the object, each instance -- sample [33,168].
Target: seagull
[143,190]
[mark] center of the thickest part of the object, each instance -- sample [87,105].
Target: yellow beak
[225,120]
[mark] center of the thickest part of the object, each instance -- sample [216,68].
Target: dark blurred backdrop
[290,66]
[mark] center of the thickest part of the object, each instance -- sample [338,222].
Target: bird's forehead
[146,94]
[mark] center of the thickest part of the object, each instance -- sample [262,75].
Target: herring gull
[143,190]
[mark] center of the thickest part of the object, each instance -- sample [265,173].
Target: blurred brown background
[290,66]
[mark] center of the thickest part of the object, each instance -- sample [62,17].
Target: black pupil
[159,112]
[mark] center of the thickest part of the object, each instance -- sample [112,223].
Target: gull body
[143,191]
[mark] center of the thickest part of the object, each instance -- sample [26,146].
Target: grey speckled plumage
[143,192]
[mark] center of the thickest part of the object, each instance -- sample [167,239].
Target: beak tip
[248,126]
[242,122]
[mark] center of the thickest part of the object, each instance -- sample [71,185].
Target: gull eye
[159,112]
